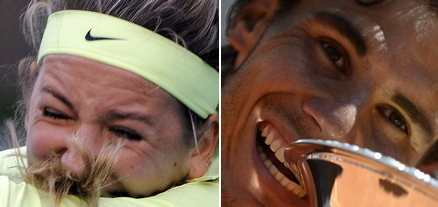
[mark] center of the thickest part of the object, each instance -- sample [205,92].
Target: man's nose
[335,118]
[79,148]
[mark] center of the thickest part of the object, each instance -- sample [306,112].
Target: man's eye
[334,54]
[53,114]
[126,133]
[394,117]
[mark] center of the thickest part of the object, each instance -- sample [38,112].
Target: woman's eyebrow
[58,96]
[115,115]
[344,27]
[414,113]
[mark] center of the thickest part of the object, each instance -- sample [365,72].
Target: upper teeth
[274,141]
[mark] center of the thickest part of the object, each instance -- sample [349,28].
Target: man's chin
[263,193]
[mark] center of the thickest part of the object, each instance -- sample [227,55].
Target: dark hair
[228,52]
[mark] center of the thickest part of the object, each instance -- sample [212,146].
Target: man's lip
[273,189]
[288,133]
[251,178]
[281,124]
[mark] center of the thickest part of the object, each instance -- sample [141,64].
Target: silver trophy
[337,174]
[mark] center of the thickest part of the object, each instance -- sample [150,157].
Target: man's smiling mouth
[271,154]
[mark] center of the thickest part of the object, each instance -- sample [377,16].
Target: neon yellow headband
[126,45]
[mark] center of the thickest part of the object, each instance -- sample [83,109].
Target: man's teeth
[283,180]
[280,154]
[275,146]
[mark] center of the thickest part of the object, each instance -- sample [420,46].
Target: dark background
[12,48]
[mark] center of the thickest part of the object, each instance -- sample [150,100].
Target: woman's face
[83,99]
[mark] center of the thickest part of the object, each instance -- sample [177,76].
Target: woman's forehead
[80,72]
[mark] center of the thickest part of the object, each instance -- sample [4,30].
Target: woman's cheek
[42,140]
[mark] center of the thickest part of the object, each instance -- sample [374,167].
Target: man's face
[336,70]
[78,98]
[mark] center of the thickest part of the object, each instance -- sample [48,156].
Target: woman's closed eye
[126,133]
[47,112]
[394,117]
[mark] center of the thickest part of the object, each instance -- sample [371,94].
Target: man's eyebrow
[416,115]
[344,27]
[432,5]
[58,96]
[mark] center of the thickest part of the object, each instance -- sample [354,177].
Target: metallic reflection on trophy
[341,175]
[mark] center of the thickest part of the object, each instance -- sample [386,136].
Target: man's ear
[248,26]
[200,160]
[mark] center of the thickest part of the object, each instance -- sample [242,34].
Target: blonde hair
[49,174]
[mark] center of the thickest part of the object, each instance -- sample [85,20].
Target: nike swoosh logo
[88,37]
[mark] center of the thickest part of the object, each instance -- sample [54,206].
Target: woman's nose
[335,119]
[74,157]
[79,148]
